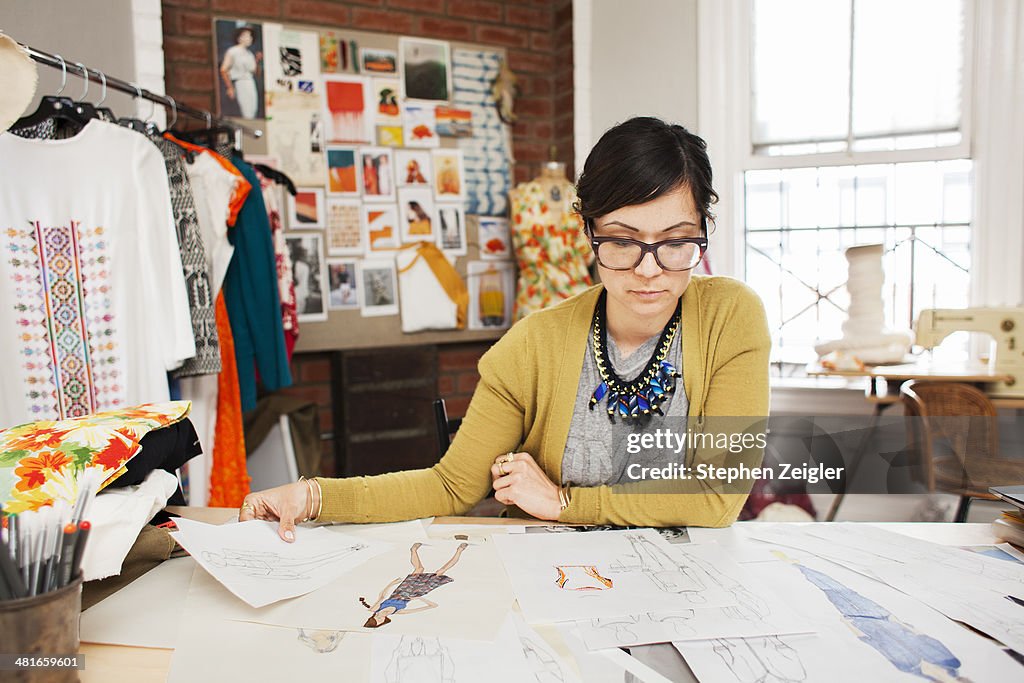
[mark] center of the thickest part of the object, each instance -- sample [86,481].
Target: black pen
[11,578]
[83,535]
[67,549]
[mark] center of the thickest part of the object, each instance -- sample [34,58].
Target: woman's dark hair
[640,160]
[245,29]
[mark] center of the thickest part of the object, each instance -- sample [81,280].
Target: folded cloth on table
[117,516]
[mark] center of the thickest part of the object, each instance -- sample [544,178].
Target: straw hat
[18,80]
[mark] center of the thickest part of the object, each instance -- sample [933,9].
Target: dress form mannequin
[551,249]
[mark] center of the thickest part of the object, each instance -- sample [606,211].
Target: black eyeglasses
[622,253]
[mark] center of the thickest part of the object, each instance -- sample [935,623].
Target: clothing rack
[97,76]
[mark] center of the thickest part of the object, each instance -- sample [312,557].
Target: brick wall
[536,33]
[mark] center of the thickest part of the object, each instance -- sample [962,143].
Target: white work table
[113,663]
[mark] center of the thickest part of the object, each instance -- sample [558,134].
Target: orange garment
[229,478]
[242,186]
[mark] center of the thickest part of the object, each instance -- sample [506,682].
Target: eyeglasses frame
[645,247]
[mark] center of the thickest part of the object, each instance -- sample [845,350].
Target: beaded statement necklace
[646,393]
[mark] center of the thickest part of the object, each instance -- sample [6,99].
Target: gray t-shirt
[591,458]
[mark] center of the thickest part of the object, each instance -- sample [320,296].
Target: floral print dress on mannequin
[552,252]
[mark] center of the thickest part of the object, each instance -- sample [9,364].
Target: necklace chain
[649,390]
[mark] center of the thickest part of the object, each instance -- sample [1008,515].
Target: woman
[238,70]
[414,586]
[539,428]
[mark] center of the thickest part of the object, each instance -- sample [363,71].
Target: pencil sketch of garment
[749,607]
[420,660]
[679,620]
[272,565]
[545,668]
[321,641]
[908,650]
[761,660]
[668,574]
[621,626]
[581,577]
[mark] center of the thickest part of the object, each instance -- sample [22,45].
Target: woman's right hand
[287,504]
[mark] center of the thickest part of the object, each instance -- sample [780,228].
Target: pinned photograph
[495,240]
[389,136]
[380,228]
[378,174]
[239,46]
[308,267]
[333,53]
[448,174]
[451,234]
[418,215]
[344,227]
[413,168]
[346,107]
[420,127]
[377,61]
[294,134]
[292,59]
[454,123]
[343,284]
[491,294]
[343,166]
[426,67]
[306,208]
[387,111]
[378,283]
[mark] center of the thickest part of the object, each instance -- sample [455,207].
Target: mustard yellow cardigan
[524,402]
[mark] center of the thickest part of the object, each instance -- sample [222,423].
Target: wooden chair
[955,434]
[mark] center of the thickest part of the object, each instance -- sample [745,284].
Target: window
[857,135]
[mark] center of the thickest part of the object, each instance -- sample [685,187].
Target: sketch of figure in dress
[906,648]
[321,641]
[670,575]
[420,660]
[273,566]
[760,660]
[581,577]
[414,586]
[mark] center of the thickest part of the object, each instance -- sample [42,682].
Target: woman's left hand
[521,482]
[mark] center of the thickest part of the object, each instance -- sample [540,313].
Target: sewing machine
[1002,324]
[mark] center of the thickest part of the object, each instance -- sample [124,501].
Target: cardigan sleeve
[738,388]
[493,425]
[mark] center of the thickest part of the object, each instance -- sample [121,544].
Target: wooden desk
[117,664]
[883,388]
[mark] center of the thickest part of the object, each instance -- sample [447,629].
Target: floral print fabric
[41,462]
[551,250]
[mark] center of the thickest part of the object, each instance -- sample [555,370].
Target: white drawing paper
[427,659]
[757,611]
[471,606]
[216,648]
[567,577]
[146,612]
[543,658]
[252,561]
[866,631]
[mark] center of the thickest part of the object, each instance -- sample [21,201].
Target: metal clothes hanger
[83,108]
[104,112]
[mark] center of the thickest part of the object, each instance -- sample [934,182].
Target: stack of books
[1010,526]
